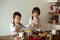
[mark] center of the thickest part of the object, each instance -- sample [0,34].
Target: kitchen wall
[8,7]
[52,0]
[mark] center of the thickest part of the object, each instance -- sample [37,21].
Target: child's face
[54,21]
[17,19]
[35,14]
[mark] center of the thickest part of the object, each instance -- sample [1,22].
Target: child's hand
[14,35]
[42,35]
[16,28]
[32,25]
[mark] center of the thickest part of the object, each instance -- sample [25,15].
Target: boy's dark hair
[16,14]
[36,9]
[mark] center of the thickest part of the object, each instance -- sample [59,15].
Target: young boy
[16,26]
[34,21]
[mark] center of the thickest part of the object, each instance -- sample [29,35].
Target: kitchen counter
[53,26]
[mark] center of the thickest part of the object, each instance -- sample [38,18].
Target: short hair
[36,9]
[16,14]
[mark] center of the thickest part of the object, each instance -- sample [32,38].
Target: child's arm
[31,24]
[37,23]
[12,29]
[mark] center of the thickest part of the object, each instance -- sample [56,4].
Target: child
[34,21]
[16,26]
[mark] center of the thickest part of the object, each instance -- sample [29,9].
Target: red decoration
[51,7]
[32,38]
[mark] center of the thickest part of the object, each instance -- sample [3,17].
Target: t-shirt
[36,21]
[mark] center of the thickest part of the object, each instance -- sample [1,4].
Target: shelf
[53,16]
[49,21]
[53,13]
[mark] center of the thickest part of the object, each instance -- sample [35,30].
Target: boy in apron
[16,26]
